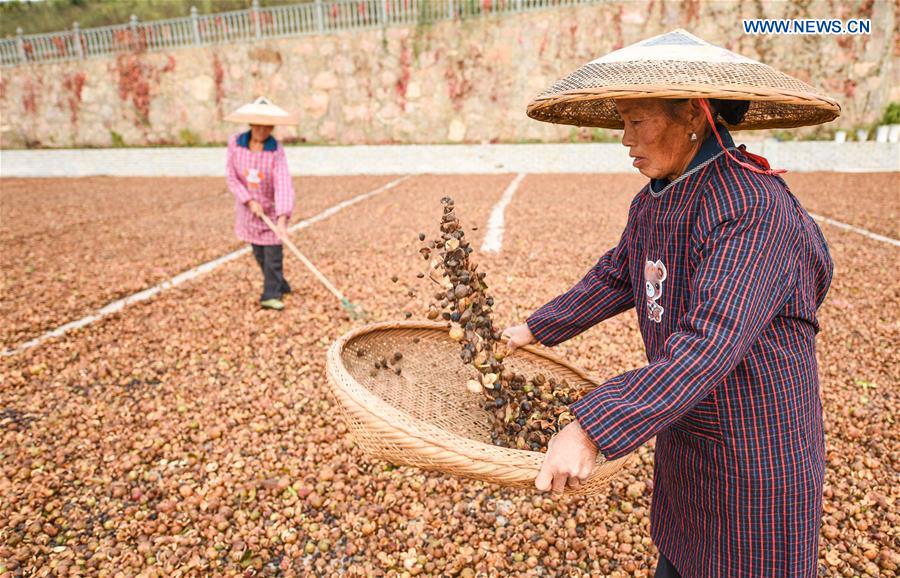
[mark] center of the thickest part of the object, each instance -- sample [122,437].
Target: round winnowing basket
[425,417]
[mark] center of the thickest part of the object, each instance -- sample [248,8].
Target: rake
[352,309]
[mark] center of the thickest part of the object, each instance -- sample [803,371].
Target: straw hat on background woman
[725,270]
[257,174]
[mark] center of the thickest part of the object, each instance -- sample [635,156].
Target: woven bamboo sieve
[425,417]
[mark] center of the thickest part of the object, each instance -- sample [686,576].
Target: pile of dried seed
[199,393]
[526,412]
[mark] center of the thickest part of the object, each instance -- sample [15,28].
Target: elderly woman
[726,271]
[257,175]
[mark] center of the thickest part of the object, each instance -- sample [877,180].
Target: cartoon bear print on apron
[654,275]
[254,178]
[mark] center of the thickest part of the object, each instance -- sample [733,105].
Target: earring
[693,136]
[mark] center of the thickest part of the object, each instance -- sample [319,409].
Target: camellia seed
[525,412]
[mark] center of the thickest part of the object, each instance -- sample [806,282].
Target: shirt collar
[270,144]
[708,150]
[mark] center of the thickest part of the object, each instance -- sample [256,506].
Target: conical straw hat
[261,111]
[680,65]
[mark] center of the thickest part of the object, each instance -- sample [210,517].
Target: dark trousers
[664,569]
[270,258]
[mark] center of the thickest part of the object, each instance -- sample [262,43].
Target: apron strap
[704,104]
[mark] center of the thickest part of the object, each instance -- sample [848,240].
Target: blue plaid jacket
[726,271]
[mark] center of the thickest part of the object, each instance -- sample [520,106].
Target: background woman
[257,174]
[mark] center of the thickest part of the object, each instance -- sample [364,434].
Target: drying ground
[193,433]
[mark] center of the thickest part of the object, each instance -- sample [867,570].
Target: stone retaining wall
[449,82]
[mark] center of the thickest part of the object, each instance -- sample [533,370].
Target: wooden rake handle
[303,258]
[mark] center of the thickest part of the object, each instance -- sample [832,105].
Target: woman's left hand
[517,336]
[570,460]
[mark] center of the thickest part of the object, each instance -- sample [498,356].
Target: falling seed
[525,413]
[394,278]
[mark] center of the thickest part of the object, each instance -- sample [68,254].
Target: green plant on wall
[820,132]
[783,135]
[423,25]
[604,135]
[116,140]
[189,138]
[891,113]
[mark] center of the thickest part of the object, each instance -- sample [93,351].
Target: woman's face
[660,144]
[260,132]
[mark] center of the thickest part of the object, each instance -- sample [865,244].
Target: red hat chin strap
[704,104]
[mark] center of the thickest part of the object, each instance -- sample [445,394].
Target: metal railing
[318,17]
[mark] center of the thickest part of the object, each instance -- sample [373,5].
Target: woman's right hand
[255,208]
[517,336]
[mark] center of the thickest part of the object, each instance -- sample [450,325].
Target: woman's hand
[255,208]
[570,460]
[281,224]
[517,336]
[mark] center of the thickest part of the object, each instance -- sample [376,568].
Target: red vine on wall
[403,81]
[134,81]
[73,84]
[29,97]
[458,86]
[219,78]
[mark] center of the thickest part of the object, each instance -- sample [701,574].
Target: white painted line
[120,304]
[863,232]
[493,239]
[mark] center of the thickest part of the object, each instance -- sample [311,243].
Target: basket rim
[365,400]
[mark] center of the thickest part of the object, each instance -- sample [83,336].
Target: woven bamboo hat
[680,65]
[262,111]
